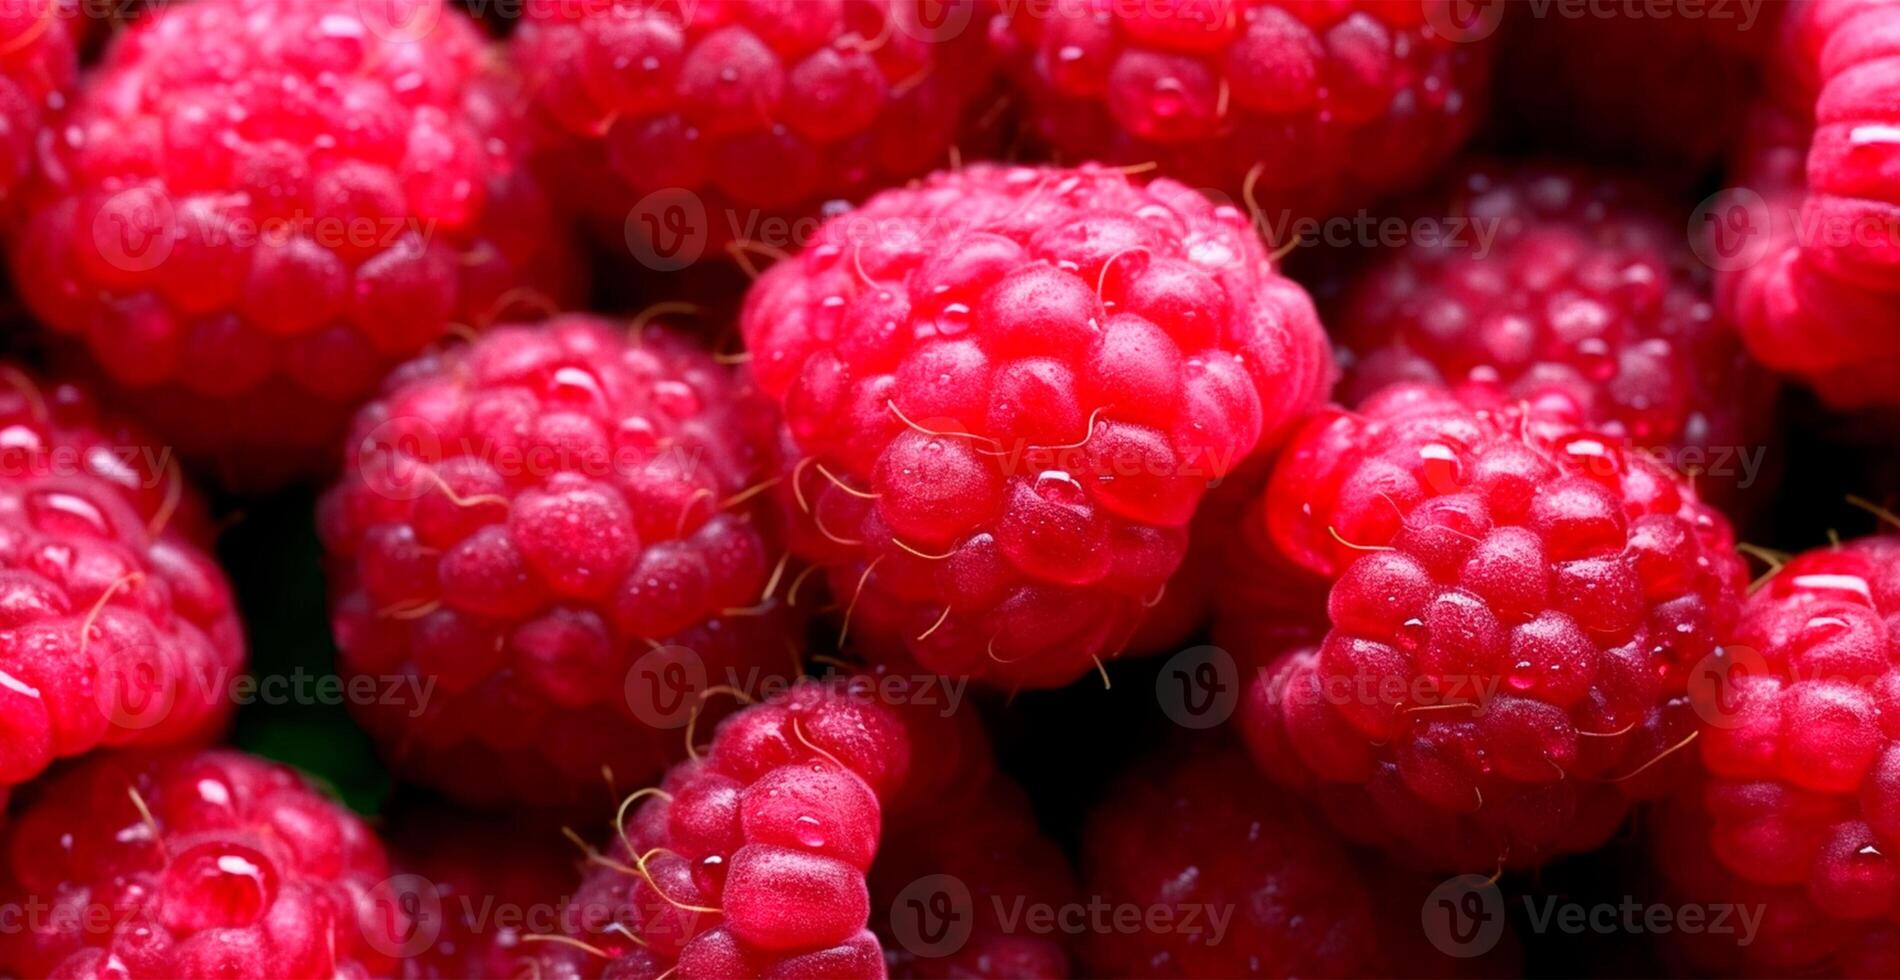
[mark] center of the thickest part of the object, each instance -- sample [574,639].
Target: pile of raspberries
[834,489]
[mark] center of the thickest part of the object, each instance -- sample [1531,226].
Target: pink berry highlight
[256,208]
[557,532]
[1516,608]
[1006,390]
[202,864]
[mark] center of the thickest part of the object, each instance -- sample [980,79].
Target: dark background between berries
[1062,745]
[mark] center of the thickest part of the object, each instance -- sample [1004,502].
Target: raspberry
[1516,606]
[684,127]
[1313,107]
[751,860]
[116,625]
[1611,85]
[38,63]
[549,530]
[1805,254]
[1803,801]
[480,886]
[1567,291]
[194,864]
[257,207]
[1254,884]
[1006,389]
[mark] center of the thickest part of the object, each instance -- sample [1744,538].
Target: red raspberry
[1570,292]
[1274,893]
[550,530]
[1313,107]
[1006,390]
[682,127]
[194,865]
[38,63]
[1612,83]
[116,625]
[478,886]
[1516,607]
[257,207]
[1802,809]
[751,860]
[1806,254]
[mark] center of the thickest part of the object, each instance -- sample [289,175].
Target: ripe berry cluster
[695,465]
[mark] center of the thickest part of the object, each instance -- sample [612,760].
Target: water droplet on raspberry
[953,319]
[810,831]
[216,885]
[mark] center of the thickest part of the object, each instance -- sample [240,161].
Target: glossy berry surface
[1311,107]
[1801,811]
[117,628]
[548,532]
[1006,390]
[257,207]
[750,116]
[1516,608]
[195,865]
[1806,247]
[1570,292]
[39,63]
[751,859]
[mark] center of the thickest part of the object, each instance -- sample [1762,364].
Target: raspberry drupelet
[1805,245]
[1516,607]
[194,864]
[117,628]
[1304,109]
[39,63]
[1802,806]
[558,531]
[256,208]
[1571,292]
[1006,390]
[683,127]
[751,860]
